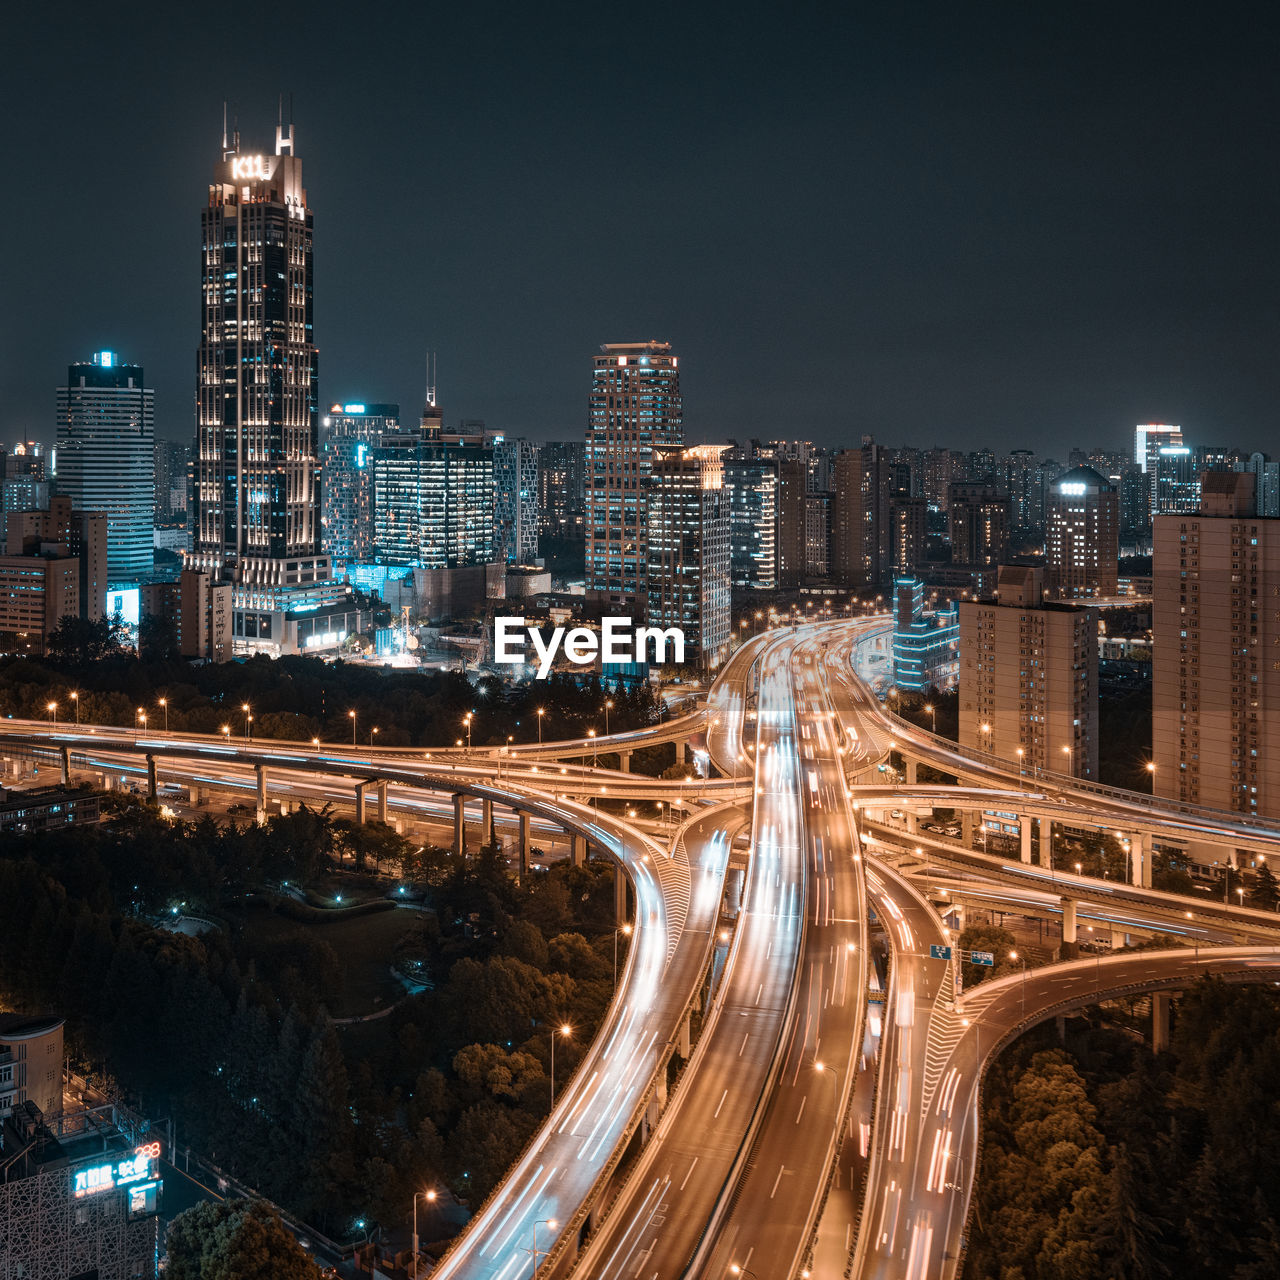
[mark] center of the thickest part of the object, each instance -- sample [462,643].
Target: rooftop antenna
[284,141]
[226,150]
[431,379]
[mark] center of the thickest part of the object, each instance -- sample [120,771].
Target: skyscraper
[860,535]
[257,482]
[515,486]
[635,408]
[688,550]
[1082,535]
[350,434]
[752,486]
[106,458]
[1215,698]
[562,488]
[173,463]
[978,517]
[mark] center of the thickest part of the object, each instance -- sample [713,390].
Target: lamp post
[985,730]
[164,703]
[244,706]
[466,720]
[226,732]
[741,1271]
[1151,769]
[315,742]
[563,1030]
[933,716]
[52,709]
[1066,751]
[608,706]
[430,1198]
[372,732]
[542,711]
[595,755]
[625,928]
[352,715]
[75,699]
[142,719]
[553,1224]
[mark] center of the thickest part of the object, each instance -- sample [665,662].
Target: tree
[235,1240]
[78,640]
[1266,890]
[987,937]
[157,638]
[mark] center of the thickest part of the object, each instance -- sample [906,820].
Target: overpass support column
[1069,920]
[913,825]
[1046,842]
[966,828]
[578,850]
[382,801]
[1159,1022]
[64,754]
[680,751]
[486,820]
[360,804]
[624,761]
[260,772]
[910,766]
[684,1047]
[619,896]
[151,777]
[459,825]
[1140,854]
[1024,838]
[524,848]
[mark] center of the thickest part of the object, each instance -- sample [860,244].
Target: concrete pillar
[1140,859]
[680,751]
[486,819]
[261,773]
[524,847]
[1069,920]
[733,890]
[624,761]
[912,823]
[1046,841]
[911,767]
[360,804]
[578,850]
[151,777]
[966,828]
[459,824]
[382,800]
[64,754]
[685,1045]
[1024,838]
[1159,1022]
[619,896]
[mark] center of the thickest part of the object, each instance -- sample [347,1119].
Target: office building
[926,646]
[1176,481]
[634,408]
[1029,677]
[30,1044]
[562,488]
[349,435]
[36,592]
[1216,627]
[860,546]
[752,485]
[1147,440]
[978,523]
[24,485]
[688,554]
[257,464]
[106,458]
[515,487]
[1082,536]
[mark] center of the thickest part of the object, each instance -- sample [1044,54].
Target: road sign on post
[982,957]
[939,953]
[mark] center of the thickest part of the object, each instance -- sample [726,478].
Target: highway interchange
[810,1131]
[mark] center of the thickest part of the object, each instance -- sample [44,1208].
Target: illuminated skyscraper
[106,458]
[257,470]
[752,485]
[350,433]
[515,487]
[635,408]
[1082,535]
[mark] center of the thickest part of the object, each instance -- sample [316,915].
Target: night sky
[1028,225]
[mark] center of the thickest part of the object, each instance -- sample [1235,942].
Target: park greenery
[230,1033]
[1103,1159]
[234,1240]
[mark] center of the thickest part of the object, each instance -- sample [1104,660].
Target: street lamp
[985,730]
[315,742]
[164,702]
[1066,751]
[75,698]
[1020,753]
[1079,868]
[626,928]
[352,714]
[542,711]
[563,1030]
[371,733]
[933,716]
[244,706]
[741,1271]
[430,1198]
[52,709]
[226,732]
[608,706]
[595,755]
[552,1224]
[466,720]
[142,719]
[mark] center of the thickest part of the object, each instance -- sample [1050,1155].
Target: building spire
[284,138]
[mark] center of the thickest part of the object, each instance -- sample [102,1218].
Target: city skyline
[1051,232]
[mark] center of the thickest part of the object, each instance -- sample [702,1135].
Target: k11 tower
[257,469]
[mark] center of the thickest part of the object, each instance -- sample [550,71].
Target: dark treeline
[302,698]
[332,1122]
[1111,1163]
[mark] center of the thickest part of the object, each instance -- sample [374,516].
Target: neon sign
[104,1177]
[1071,487]
[249,167]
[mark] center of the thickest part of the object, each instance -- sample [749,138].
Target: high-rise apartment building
[61,531]
[24,485]
[752,485]
[562,488]
[1029,677]
[106,458]
[1266,484]
[793,479]
[635,408]
[257,461]
[860,516]
[350,434]
[978,520]
[173,476]
[1216,624]
[515,485]
[688,554]
[1019,477]
[908,535]
[1082,536]
[817,536]
[1175,481]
